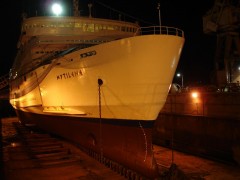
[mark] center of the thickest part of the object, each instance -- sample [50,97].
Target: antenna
[90,9]
[75,8]
[159,16]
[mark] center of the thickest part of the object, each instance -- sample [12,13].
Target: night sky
[196,62]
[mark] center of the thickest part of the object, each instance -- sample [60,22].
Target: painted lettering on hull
[72,74]
[87,54]
[68,75]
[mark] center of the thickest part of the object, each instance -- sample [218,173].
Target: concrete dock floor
[195,167]
[17,164]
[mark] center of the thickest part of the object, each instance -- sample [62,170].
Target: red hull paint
[127,142]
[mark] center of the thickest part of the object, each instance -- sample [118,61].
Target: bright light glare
[57,9]
[178,75]
[194,95]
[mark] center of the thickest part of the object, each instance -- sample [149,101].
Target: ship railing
[160,30]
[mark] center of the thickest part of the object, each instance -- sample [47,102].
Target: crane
[223,20]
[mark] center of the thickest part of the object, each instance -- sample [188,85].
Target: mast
[75,8]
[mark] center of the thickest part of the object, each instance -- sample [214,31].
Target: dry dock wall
[208,125]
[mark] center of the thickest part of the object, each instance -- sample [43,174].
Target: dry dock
[44,157]
[53,158]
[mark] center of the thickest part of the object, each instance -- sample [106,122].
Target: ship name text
[68,75]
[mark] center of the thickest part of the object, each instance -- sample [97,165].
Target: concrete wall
[209,127]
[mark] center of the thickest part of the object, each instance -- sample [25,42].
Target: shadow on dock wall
[216,138]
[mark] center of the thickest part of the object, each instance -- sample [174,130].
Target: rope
[100,82]
[145,140]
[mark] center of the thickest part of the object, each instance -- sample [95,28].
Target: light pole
[180,75]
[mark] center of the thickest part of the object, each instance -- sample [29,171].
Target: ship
[97,82]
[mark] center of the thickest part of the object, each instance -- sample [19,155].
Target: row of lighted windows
[57,52]
[84,27]
[78,41]
[43,52]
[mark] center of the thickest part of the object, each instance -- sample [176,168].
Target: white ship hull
[136,74]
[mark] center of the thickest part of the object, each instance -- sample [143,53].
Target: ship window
[104,27]
[98,27]
[60,25]
[85,26]
[116,28]
[110,28]
[69,25]
[90,27]
[78,25]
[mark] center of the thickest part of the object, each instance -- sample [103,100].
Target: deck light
[195,95]
[57,9]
